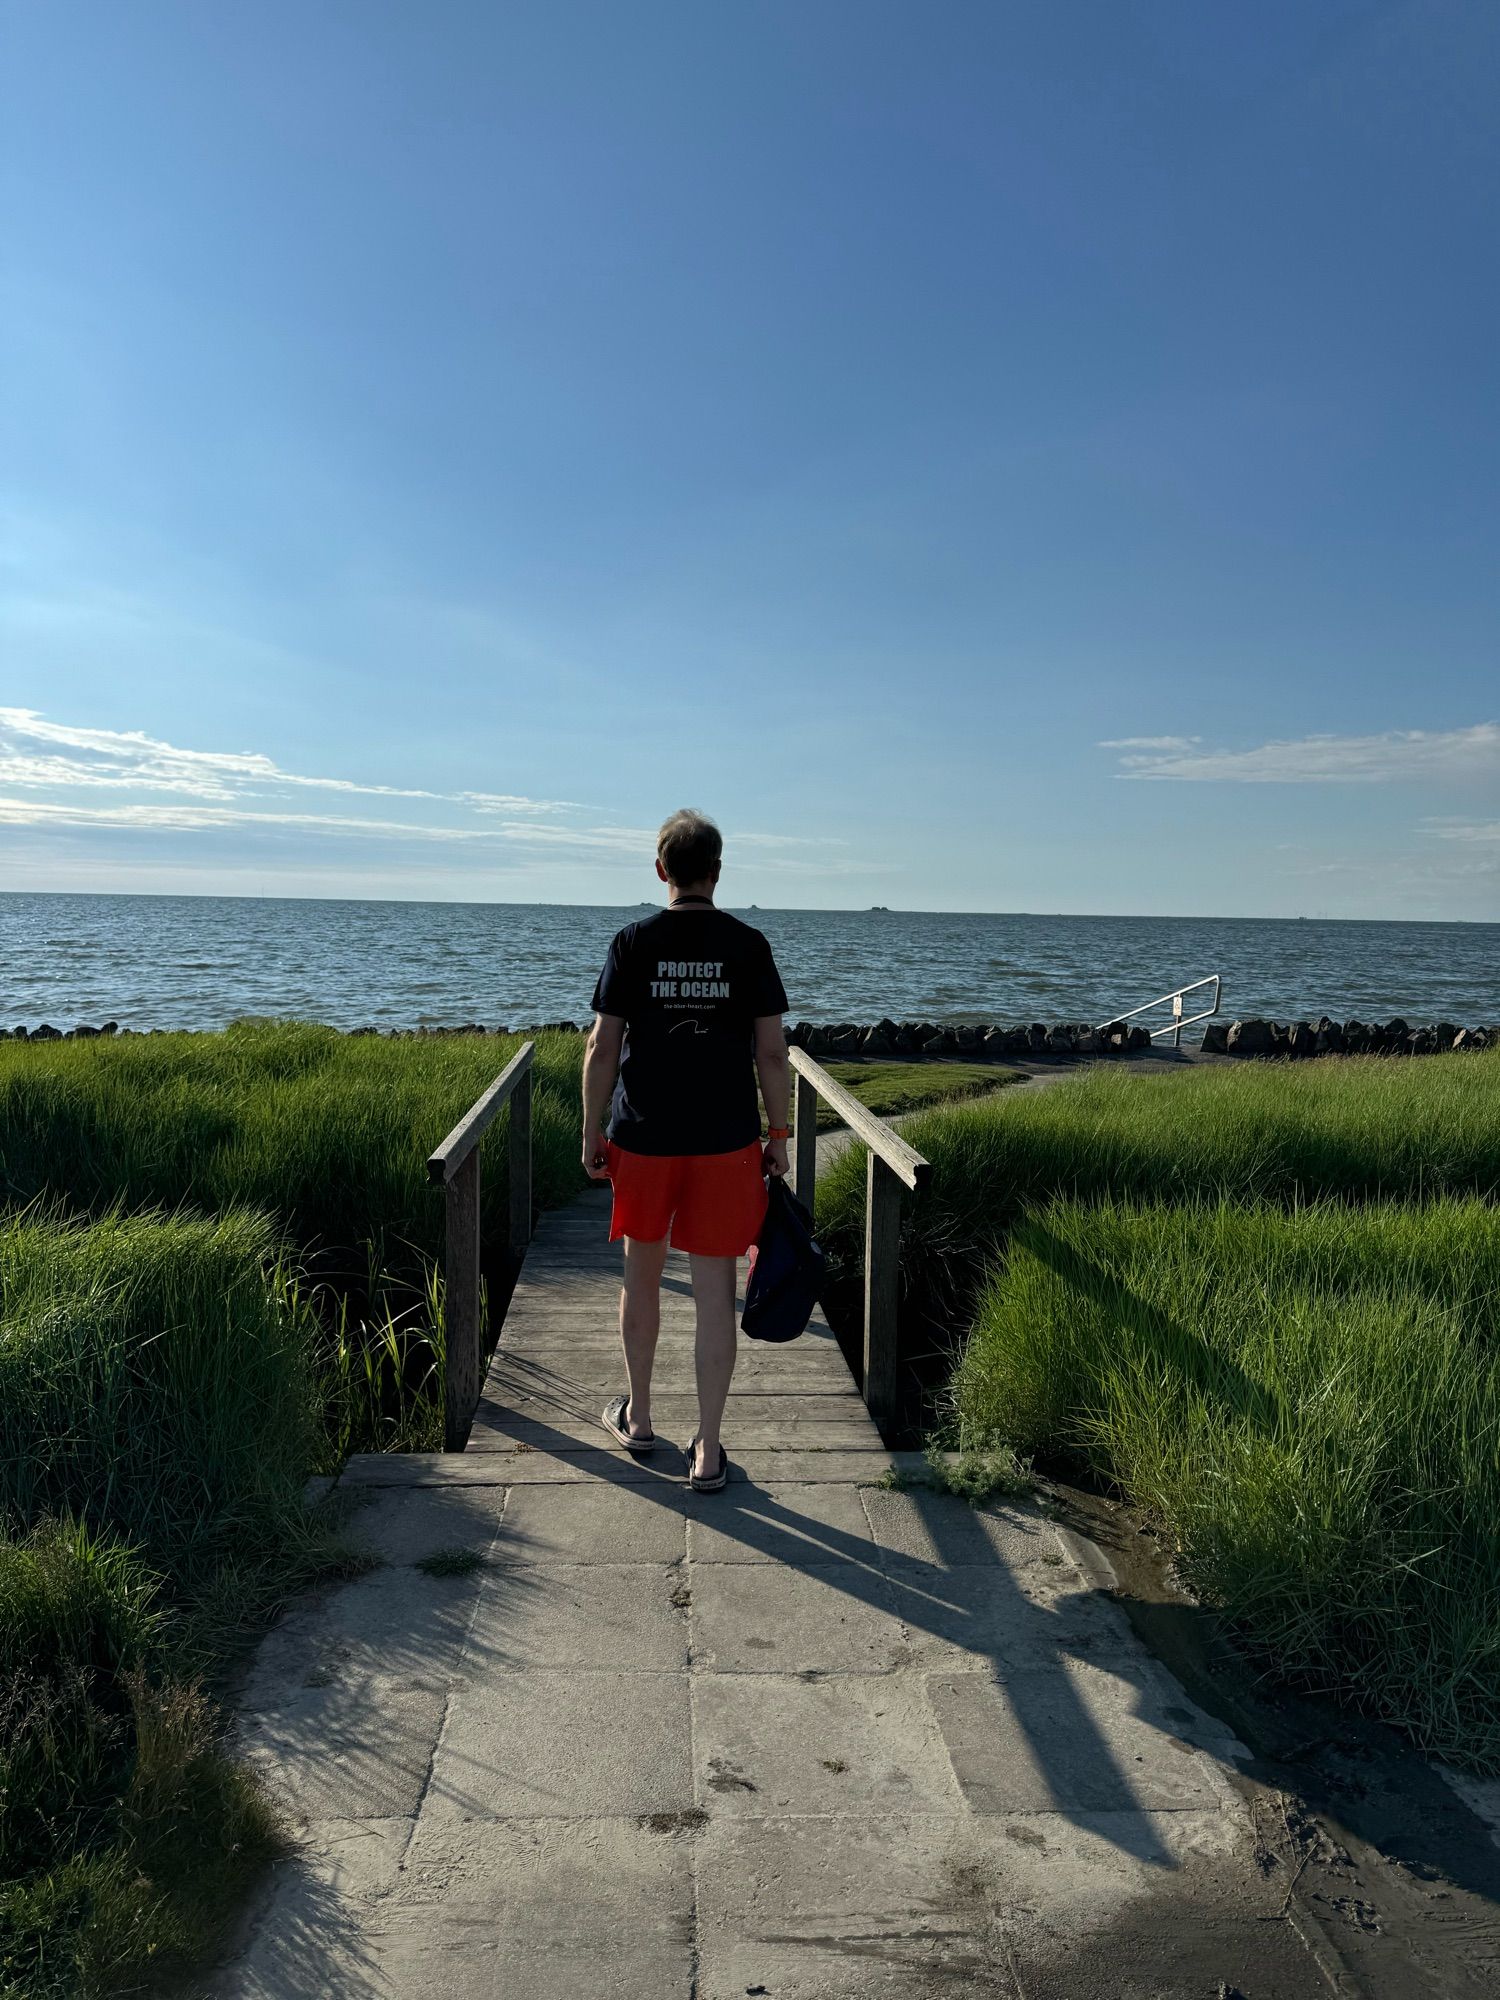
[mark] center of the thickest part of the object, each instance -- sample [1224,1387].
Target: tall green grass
[156,1375]
[125,1829]
[1309,1398]
[156,1423]
[326,1133]
[1351,1129]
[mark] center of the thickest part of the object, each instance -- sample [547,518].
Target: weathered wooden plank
[805,1170]
[445,1162]
[608,1468]
[462,1376]
[882,1276]
[520,1164]
[903,1160]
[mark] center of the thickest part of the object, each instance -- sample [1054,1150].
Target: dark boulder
[1140,1039]
[876,1042]
[1036,1038]
[1087,1040]
[1330,1040]
[1216,1038]
[1061,1040]
[1249,1038]
[1302,1039]
[46,1033]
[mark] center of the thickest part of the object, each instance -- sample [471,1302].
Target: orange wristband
[779,1132]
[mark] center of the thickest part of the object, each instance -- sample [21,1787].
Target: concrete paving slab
[392,1622]
[931,1530]
[776,1743]
[879,1909]
[537,1742]
[625,1616]
[1070,1737]
[313,1930]
[407,1527]
[991,1615]
[568,1907]
[411,1471]
[791,1524]
[594,1524]
[354,1748]
[762,1618]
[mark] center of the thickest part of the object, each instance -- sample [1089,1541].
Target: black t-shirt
[689,984]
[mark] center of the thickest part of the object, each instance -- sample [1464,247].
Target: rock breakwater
[979,1042]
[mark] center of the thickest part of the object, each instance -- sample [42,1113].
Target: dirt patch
[693,1820]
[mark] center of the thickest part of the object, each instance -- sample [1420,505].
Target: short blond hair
[689,846]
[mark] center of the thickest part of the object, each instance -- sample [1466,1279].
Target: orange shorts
[712,1203]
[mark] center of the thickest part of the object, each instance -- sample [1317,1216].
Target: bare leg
[640,1323]
[713,1354]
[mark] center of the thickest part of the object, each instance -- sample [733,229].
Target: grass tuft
[450,1562]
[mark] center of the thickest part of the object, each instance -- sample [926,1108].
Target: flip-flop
[708,1482]
[615,1421]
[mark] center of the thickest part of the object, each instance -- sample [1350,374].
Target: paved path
[808,1738]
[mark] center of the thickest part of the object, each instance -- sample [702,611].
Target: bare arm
[775,1074]
[601,1064]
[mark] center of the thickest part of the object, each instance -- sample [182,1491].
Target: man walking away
[687,1013]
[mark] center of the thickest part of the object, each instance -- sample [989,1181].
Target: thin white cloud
[1149,742]
[190,818]
[202,791]
[1478,832]
[129,760]
[1391,757]
[511,802]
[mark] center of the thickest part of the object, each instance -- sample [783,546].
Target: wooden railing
[892,1165]
[455,1165]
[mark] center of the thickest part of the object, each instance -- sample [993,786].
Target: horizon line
[733,909]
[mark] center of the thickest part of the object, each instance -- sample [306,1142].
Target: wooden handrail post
[882,1288]
[520,1165]
[805,1133]
[461,1273]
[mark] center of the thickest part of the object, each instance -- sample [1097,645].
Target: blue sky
[993,456]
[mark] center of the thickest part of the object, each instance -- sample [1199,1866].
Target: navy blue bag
[786,1270]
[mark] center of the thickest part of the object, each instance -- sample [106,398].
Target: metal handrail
[1179,1021]
[890,1166]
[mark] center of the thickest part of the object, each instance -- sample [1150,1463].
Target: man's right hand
[774,1160]
[595,1158]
